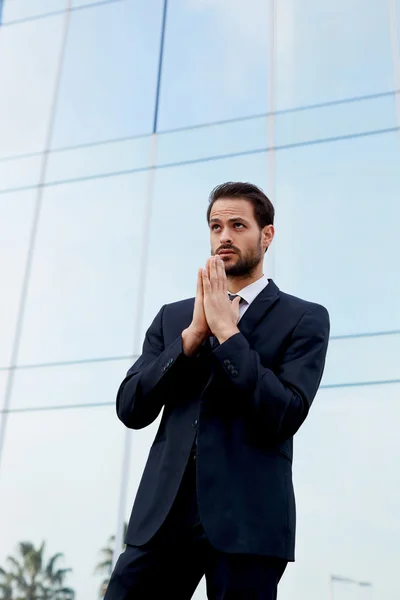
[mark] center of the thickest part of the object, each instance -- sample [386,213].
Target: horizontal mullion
[285,111]
[194,161]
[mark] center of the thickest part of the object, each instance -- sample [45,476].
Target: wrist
[192,340]
[224,334]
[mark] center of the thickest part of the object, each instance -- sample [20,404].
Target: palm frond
[50,565]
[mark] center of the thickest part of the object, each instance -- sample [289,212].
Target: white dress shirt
[250,293]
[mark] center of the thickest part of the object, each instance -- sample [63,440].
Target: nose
[225,237]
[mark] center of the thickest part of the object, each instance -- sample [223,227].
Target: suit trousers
[173,562]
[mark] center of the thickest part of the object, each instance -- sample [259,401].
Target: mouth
[226,252]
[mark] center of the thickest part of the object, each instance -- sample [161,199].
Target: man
[235,377]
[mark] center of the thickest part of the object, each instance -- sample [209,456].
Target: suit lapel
[258,308]
[254,314]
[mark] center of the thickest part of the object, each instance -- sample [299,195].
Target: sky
[336,234]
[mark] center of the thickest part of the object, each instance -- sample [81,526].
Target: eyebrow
[231,220]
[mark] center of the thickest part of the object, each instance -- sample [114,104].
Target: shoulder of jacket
[301,305]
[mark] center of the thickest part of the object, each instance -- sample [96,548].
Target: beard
[246,263]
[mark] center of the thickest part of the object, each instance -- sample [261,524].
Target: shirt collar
[250,292]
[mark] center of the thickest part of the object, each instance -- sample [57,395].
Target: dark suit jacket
[245,399]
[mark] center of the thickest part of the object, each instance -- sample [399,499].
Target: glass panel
[337,230]
[16,214]
[29,54]
[347,484]
[79,3]
[15,174]
[115,157]
[65,489]
[329,50]
[303,126]
[355,360]
[3,383]
[223,71]
[14,10]
[335,120]
[82,296]
[109,77]
[211,141]
[79,383]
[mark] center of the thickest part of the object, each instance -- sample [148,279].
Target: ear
[267,235]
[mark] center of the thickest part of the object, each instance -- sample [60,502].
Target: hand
[198,331]
[222,315]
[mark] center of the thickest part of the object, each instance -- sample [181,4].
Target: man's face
[236,236]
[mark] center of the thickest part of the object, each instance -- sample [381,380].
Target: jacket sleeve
[152,378]
[279,401]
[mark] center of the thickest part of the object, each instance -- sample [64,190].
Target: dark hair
[264,211]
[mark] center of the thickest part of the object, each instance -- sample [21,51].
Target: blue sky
[337,214]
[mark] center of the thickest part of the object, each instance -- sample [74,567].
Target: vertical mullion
[127,449]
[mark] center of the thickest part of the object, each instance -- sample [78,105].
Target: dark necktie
[233,296]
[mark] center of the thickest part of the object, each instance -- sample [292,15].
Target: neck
[235,284]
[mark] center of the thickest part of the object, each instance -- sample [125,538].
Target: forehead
[226,208]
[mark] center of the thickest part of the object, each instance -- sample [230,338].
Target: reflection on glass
[96,160]
[80,385]
[211,141]
[69,470]
[83,289]
[3,382]
[28,62]
[109,77]
[355,360]
[331,50]
[20,173]
[223,72]
[348,493]
[16,214]
[14,10]
[335,120]
[337,215]
[90,3]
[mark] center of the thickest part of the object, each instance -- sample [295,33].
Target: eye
[239,224]
[214,226]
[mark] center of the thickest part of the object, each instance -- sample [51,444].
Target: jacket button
[234,372]
[194,424]
[227,362]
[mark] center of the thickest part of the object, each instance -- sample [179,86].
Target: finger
[208,265]
[223,282]
[214,275]
[199,287]
[206,282]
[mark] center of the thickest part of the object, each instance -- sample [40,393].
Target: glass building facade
[117,118]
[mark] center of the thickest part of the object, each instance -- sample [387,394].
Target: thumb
[235,305]
[236,301]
